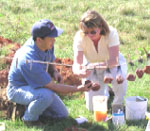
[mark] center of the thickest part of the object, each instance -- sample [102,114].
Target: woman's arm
[78,61]
[113,56]
[77,66]
[78,57]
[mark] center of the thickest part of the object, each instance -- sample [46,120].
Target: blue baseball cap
[44,28]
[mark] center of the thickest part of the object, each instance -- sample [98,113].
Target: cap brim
[56,32]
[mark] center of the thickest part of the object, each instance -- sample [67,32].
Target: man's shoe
[48,119]
[33,123]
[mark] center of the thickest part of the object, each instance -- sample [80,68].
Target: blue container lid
[118,114]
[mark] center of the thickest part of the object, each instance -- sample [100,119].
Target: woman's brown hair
[92,19]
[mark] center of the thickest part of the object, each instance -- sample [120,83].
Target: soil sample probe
[119,77]
[108,78]
[131,76]
[147,67]
[139,70]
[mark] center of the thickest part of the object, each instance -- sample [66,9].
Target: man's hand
[57,77]
[95,86]
[64,89]
[84,87]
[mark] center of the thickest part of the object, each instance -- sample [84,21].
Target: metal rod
[31,64]
[68,65]
[47,67]
[16,62]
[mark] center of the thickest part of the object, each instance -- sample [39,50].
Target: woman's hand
[80,71]
[84,73]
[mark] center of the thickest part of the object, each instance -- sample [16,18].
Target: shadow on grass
[110,100]
[69,124]
[129,125]
[140,123]
[136,125]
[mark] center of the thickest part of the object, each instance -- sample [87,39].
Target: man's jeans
[39,101]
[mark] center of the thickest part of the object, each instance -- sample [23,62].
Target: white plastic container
[118,118]
[148,126]
[100,108]
[2,126]
[136,107]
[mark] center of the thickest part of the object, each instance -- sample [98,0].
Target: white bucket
[90,94]
[100,107]
[135,110]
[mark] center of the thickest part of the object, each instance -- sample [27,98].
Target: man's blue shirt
[21,74]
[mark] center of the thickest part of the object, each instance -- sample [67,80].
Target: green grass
[131,18]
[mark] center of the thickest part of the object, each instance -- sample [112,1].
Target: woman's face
[93,33]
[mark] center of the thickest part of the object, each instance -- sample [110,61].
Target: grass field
[130,17]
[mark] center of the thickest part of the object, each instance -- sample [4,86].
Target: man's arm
[64,89]
[52,69]
[54,73]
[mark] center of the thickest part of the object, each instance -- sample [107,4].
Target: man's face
[47,43]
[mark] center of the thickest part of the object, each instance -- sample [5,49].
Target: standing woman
[96,43]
